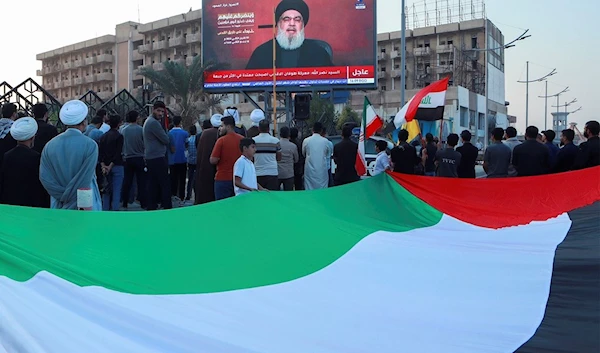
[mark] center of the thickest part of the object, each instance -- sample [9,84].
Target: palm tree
[186,85]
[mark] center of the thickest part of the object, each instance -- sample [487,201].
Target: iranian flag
[395,263]
[428,104]
[371,122]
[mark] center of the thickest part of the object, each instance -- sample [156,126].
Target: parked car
[370,153]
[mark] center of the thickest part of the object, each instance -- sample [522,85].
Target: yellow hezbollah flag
[413,129]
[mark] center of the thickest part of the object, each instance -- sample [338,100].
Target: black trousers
[135,167]
[191,181]
[298,179]
[178,175]
[288,184]
[158,183]
[269,182]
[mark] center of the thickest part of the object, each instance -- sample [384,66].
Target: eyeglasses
[288,19]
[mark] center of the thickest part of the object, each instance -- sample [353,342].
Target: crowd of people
[110,164]
[506,156]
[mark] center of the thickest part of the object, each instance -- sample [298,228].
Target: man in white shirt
[382,162]
[268,153]
[244,173]
[317,150]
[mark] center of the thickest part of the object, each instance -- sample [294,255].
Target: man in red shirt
[224,156]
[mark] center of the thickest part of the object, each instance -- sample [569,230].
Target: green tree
[321,110]
[186,85]
[347,116]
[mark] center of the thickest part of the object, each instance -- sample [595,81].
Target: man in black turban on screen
[292,49]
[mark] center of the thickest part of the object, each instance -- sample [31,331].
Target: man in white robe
[69,162]
[317,150]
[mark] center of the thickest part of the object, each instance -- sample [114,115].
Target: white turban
[73,112]
[257,116]
[215,120]
[23,129]
[234,113]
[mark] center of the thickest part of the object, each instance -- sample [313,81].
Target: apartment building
[111,63]
[71,71]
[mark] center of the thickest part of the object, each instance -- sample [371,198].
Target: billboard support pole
[403,57]
[274,75]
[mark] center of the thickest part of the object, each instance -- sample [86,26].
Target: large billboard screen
[318,44]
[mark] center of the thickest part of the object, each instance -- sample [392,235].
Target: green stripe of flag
[244,242]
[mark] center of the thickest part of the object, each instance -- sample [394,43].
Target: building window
[450,42]
[383,50]
[383,88]
[396,66]
[474,43]
[427,44]
[383,69]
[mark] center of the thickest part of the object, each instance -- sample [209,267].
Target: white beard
[290,43]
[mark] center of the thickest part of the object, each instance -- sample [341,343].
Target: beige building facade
[110,63]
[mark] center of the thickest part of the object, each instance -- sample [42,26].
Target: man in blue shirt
[177,158]
[548,139]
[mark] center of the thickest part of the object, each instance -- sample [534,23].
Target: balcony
[78,81]
[381,56]
[39,73]
[381,75]
[144,49]
[90,79]
[158,66]
[189,60]
[397,73]
[180,61]
[160,45]
[67,66]
[193,38]
[441,49]
[67,83]
[105,95]
[58,84]
[90,61]
[395,54]
[136,56]
[421,51]
[177,42]
[444,69]
[78,63]
[104,58]
[105,76]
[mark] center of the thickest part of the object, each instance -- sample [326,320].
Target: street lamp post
[557,95]
[508,45]
[527,82]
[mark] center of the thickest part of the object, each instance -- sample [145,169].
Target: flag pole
[274,75]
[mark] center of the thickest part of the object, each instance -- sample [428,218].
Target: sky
[562,37]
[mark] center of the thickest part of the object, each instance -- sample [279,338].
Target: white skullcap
[73,112]
[215,120]
[257,116]
[23,129]
[234,113]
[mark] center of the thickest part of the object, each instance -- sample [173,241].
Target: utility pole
[557,95]
[527,82]
[527,96]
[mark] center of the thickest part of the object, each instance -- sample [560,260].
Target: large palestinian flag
[390,264]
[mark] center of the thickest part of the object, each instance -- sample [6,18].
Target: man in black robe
[46,132]
[20,173]
[205,171]
[292,49]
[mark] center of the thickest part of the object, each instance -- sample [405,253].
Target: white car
[370,153]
